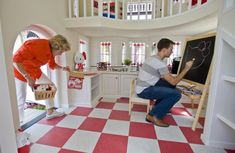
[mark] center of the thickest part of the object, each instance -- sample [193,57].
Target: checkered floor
[108,128]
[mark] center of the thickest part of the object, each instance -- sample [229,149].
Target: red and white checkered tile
[108,128]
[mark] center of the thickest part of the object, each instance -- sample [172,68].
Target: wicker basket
[44,94]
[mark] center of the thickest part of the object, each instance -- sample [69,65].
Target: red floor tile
[82,111]
[109,143]
[123,100]
[120,115]
[143,130]
[180,111]
[174,147]
[106,105]
[201,120]
[57,136]
[68,151]
[192,136]
[170,120]
[53,121]
[93,124]
[139,108]
[189,105]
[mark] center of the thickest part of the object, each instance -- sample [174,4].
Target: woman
[27,61]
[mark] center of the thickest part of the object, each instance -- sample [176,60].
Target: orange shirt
[32,55]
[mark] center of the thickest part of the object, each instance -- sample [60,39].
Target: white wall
[7,131]
[15,19]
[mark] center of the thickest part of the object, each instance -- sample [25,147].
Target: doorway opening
[34,110]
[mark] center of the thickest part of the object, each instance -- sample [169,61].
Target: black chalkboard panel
[202,49]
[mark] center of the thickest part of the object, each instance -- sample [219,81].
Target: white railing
[130,9]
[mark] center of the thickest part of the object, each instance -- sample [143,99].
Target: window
[176,52]
[83,48]
[137,53]
[139,11]
[123,52]
[105,52]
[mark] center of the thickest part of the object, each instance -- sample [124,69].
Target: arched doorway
[34,110]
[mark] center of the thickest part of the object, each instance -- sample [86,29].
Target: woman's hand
[67,68]
[30,81]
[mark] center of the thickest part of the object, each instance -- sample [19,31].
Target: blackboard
[202,50]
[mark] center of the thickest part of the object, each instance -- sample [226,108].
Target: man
[155,82]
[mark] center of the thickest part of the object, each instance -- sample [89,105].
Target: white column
[171,7]
[189,4]
[70,8]
[108,13]
[138,9]
[199,3]
[100,7]
[116,9]
[92,7]
[131,10]
[154,9]
[146,12]
[84,8]
[180,6]
[163,9]
[124,9]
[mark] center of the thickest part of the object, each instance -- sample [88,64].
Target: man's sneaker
[54,115]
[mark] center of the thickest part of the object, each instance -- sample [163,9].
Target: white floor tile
[206,149]
[138,117]
[185,121]
[38,148]
[117,127]
[37,131]
[71,121]
[172,133]
[82,141]
[142,145]
[30,114]
[66,110]
[121,106]
[100,113]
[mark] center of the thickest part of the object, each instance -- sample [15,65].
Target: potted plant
[127,62]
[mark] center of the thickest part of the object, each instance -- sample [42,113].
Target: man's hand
[189,64]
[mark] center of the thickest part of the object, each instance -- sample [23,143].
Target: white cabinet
[219,127]
[89,94]
[110,84]
[115,85]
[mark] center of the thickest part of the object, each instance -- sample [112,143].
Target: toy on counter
[79,59]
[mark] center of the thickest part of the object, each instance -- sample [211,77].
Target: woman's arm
[21,69]
[67,68]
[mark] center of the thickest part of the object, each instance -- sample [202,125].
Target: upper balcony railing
[131,9]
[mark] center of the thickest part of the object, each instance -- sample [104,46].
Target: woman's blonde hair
[59,42]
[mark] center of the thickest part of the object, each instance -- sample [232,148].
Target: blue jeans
[166,96]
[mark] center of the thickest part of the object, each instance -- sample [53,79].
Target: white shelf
[228,78]
[226,121]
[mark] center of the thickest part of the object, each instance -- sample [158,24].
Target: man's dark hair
[164,43]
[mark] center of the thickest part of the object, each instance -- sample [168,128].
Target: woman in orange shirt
[27,61]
